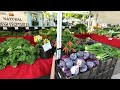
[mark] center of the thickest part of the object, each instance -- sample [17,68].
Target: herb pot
[47,54]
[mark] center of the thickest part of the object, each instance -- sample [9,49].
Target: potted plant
[41,42]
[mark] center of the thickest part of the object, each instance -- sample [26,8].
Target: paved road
[116,73]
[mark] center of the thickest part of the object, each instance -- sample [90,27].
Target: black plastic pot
[47,54]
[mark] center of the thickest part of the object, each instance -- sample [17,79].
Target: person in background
[55,22]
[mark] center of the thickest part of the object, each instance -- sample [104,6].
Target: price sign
[27,28]
[4,28]
[36,27]
[69,27]
[43,27]
[47,47]
[63,27]
[16,28]
[110,38]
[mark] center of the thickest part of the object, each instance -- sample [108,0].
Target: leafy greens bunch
[14,51]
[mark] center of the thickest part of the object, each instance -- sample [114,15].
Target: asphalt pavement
[116,73]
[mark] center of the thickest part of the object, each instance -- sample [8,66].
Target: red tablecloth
[103,39]
[82,36]
[40,68]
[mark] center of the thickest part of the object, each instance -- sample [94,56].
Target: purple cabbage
[68,74]
[84,68]
[96,62]
[67,59]
[86,55]
[64,69]
[69,64]
[80,62]
[92,56]
[74,70]
[90,64]
[80,54]
[74,62]
[64,56]
[73,56]
[62,63]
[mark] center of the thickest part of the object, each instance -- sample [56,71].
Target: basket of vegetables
[108,57]
[96,62]
[75,63]
[80,65]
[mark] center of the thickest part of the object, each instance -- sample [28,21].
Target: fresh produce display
[14,51]
[79,29]
[70,43]
[11,33]
[109,32]
[82,28]
[102,51]
[75,63]
[102,32]
[51,32]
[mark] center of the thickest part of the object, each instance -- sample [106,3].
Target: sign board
[16,28]
[36,27]
[13,19]
[27,28]
[4,28]
[47,46]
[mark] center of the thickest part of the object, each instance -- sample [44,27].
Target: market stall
[40,68]
[17,28]
[75,57]
[73,65]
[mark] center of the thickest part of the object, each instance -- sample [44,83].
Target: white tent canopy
[108,17]
[77,12]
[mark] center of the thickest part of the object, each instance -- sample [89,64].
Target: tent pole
[89,20]
[59,32]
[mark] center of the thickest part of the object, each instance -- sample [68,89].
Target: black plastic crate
[58,72]
[105,74]
[106,68]
[108,64]
[85,75]
[103,71]
[76,77]
[102,66]
[110,72]
[91,73]
[114,61]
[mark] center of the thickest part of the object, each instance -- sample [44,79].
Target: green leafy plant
[14,51]
[82,28]
[102,51]
[69,42]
